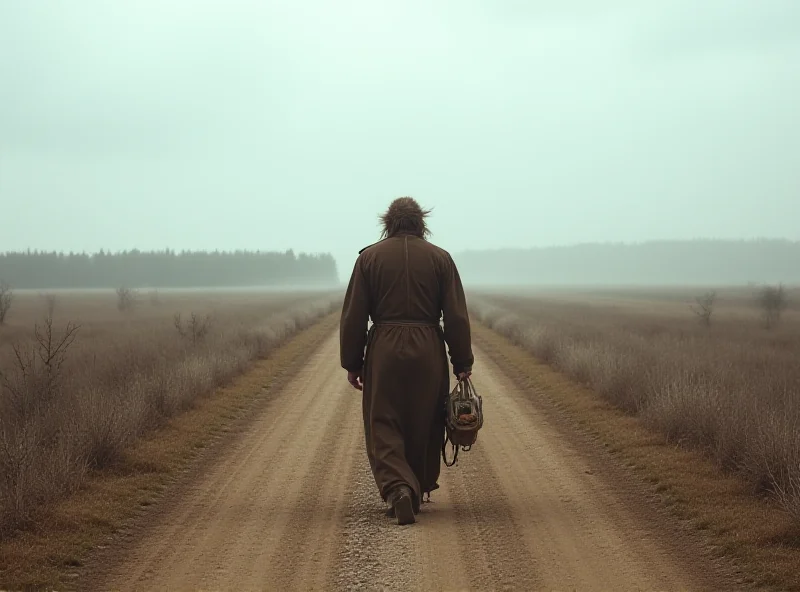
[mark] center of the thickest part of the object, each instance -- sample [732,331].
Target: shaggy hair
[405,216]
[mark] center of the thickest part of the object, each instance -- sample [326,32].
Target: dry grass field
[81,380]
[731,388]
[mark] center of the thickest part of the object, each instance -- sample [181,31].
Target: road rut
[290,504]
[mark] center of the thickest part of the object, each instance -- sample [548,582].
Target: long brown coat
[407,286]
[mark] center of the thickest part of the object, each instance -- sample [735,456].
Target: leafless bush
[775,461]
[773,301]
[704,307]
[29,432]
[38,368]
[6,297]
[195,329]
[126,298]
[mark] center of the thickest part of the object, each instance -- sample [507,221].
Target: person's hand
[354,378]
[464,375]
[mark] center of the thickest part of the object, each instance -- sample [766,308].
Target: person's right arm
[456,320]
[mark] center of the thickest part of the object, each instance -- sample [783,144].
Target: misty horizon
[272,127]
[699,262]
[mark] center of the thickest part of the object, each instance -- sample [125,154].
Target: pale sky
[292,124]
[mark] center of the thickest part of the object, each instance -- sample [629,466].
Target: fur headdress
[405,216]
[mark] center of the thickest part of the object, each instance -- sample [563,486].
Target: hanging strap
[455,448]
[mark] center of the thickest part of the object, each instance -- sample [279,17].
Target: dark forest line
[696,262]
[166,269]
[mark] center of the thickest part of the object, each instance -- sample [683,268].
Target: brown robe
[407,286]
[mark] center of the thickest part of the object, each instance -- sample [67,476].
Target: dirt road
[290,504]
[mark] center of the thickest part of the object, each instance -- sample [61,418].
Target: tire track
[575,528]
[291,504]
[248,522]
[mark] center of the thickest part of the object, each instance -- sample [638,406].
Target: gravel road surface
[290,504]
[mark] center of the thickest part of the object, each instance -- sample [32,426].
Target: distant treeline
[697,262]
[165,269]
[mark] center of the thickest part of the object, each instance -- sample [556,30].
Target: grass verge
[731,389]
[52,555]
[749,531]
[75,395]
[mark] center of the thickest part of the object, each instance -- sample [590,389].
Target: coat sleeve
[354,319]
[456,320]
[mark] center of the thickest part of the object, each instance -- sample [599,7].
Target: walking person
[408,287]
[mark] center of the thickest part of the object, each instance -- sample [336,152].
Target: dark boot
[390,513]
[401,503]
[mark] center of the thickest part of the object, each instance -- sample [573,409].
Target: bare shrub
[704,307]
[38,369]
[29,431]
[195,329]
[6,298]
[126,298]
[110,421]
[773,301]
[773,460]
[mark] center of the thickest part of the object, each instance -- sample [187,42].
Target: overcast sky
[292,124]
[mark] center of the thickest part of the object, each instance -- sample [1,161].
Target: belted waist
[404,323]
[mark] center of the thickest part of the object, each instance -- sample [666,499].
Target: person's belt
[402,323]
